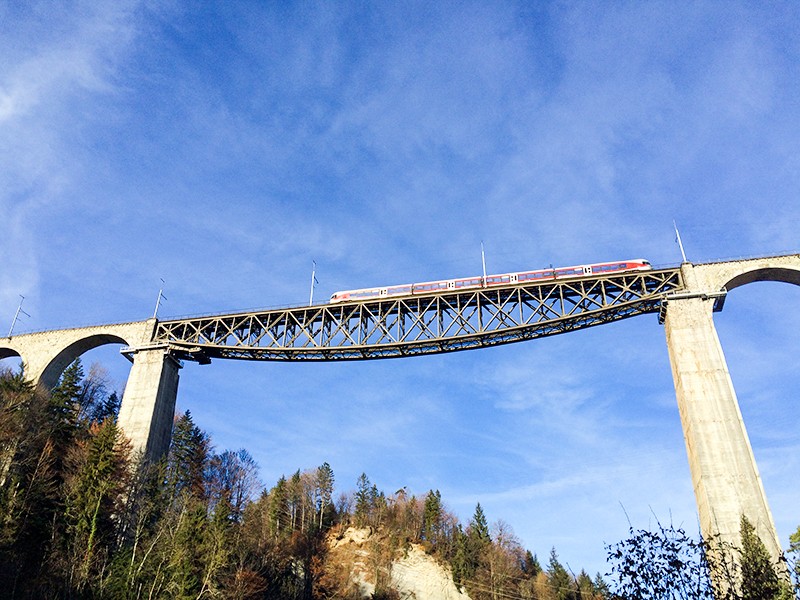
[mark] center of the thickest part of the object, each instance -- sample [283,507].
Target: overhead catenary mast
[161,297]
[678,239]
[483,260]
[313,281]
[16,315]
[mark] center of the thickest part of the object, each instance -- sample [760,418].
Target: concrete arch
[46,354]
[729,275]
[764,274]
[56,366]
[8,353]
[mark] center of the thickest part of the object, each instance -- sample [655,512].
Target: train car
[444,285]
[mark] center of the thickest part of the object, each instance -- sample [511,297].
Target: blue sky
[224,147]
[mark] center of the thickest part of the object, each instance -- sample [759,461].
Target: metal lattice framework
[415,325]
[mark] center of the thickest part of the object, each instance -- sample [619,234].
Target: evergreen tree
[94,499]
[794,560]
[185,552]
[432,517]
[560,580]
[530,565]
[759,579]
[363,500]
[601,587]
[29,488]
[187,458]
[461,565]
[107,408]
[65,399]
[478,527]
[325,489]
[278,510]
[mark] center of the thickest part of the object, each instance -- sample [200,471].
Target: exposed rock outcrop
[370,562]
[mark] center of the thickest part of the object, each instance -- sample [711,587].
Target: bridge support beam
[724,473]
[148,404]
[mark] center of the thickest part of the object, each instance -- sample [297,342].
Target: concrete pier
[148,405]
[724,473]
[726,481]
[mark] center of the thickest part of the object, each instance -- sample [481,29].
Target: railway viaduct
[723,468]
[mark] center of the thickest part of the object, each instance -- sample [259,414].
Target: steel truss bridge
[421,324]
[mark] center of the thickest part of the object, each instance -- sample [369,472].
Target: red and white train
[446,285]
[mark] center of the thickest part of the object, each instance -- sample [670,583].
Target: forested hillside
[80,519]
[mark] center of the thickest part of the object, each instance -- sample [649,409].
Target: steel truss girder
[415,325]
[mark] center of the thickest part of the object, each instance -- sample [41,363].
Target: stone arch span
[46,354]
[765,274]
[8,353]
[714,277]
[51,373]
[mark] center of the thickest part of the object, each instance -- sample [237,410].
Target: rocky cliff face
[367,562]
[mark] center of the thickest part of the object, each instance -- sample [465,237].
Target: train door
[587,270]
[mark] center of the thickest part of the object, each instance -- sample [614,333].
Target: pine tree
[794,559]
[759,579]
[560,579]
[278,501]
[187,458]
[29,487]
[478,527]
[363,500]
[432,517]
[65,399]
[461,565]
[325,490]
[94,498]
[530,565]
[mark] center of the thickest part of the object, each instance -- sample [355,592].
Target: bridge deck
[420,324]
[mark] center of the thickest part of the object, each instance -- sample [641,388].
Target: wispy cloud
[223,147]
